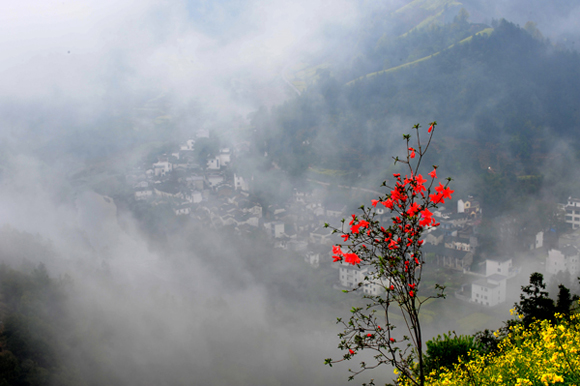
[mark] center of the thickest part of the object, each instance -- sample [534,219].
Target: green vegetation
[543,353]
[449,349]
[486,31]
[505,98]
[34,320]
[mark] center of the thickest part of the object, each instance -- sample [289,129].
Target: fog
[81,84]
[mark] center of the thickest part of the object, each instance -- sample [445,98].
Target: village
[216,195]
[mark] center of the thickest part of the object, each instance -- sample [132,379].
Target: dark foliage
[447,350]
[535,304]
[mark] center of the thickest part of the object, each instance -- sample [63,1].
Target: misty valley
[181,188]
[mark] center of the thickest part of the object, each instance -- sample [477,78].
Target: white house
[315,208]
[213,163]
[565,259]
[194,197]
[195,181]
[275,228]
[454,243]
[501,267]
[189,144]
[489,291]
[538,241]
[256,210]
[214,179]
[143,194]
[161,168]
[183,209]
[301,196]
[253,220]
[321,235]
[225,157]
[240,183]
[351,275]
[573,212]
[312,258]
[470,207]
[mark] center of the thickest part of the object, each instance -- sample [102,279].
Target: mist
[89,90]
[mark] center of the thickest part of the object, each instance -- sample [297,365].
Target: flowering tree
[393,255]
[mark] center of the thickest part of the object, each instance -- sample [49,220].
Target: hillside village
[215,195]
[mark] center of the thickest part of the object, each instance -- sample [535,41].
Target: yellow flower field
[541,355]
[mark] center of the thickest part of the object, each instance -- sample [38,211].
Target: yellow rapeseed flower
[541,354]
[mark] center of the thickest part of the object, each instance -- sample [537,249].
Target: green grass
[475,321]
[428,5]
[328,172]
[303,75]
[437,6]
[486,32]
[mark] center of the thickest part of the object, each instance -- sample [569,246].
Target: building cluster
[214,194]
[211,193]
[566,256]
[453,243]
[217,196]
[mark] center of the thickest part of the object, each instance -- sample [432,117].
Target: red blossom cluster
[351,258]
[408,199]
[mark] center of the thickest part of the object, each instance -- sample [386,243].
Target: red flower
[412,285]
[351,258]
[375,202]
[392,339]
[351,351]
[388,203]
[395,195]
[361,224]
[420,183]
[413,209]
[437,198]
[369,335]
[445,191]
[337,253]
[430,128]
[412,155]
[426,217]
[411,293]
[392,287]
[345,237]
[378,327]
[433,174]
